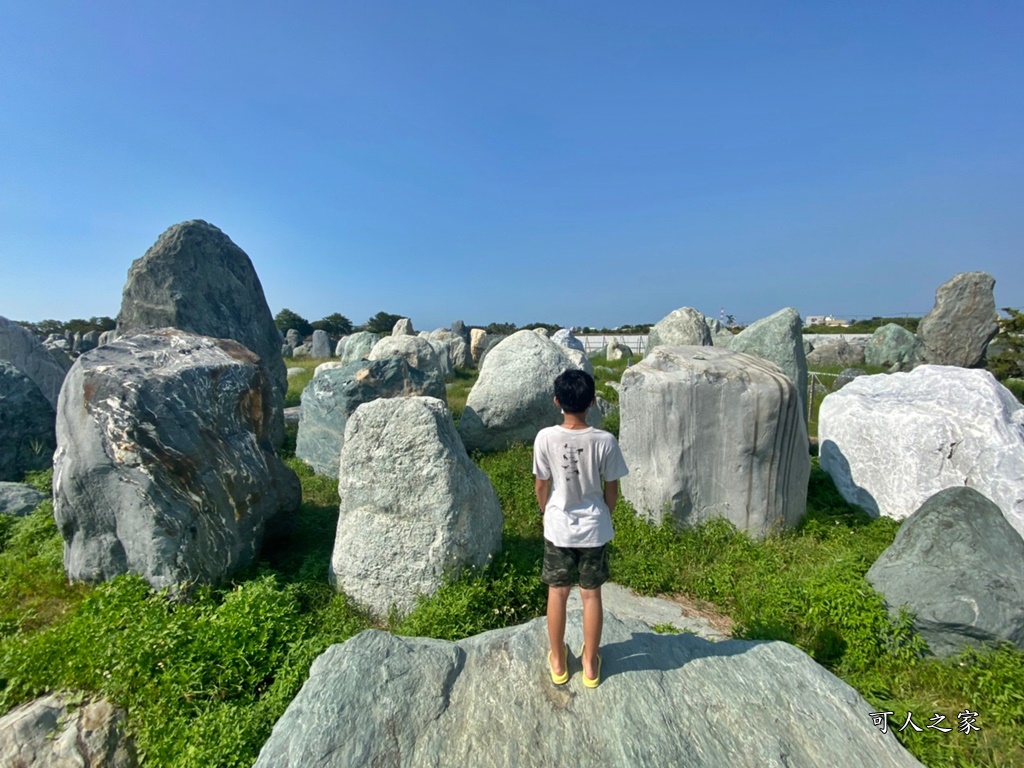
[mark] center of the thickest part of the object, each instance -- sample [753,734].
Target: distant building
[824,320]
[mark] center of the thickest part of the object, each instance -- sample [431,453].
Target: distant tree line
[866,326]
[44,328]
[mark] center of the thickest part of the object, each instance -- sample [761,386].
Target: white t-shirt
[576,461]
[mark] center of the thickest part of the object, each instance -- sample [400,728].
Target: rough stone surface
[778,339]
[836,353]
[893,345]
[107,336]
[339,348]
[25,352]
[444,362]
[321,344]
[477,343]
[542,331]
[403,328]
[458,353]
[333,394]
[579,360]
[564,337]
[680,327]
[418,352]
[617,351]
[18,499]
[720,335]
[512,400]
[487,701]
[846,376]
[414,507]
[959,544]
[196,279]
[358,346]
[627,605]
[892,441]
[962,323]
[293,372]
[163,466]
[50,733]
[708,433]
[293,337]
[459,329]
[27,421]
[287,351]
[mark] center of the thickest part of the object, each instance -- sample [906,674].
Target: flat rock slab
[488,700]
[652,611]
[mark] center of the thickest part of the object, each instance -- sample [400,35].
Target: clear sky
[593,163]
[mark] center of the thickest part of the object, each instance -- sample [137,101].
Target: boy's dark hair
[574,390]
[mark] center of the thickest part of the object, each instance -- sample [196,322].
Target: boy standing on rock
[570,463]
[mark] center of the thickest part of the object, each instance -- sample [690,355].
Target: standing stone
[458,353]
[60,731]
[893,345]
[720,335]
[961,546]
[27,422]
[358,346]
[891,442]
[403,328]
[76,344]
[962,323]
[195,279]
[511,400]
[414,507]
[459,329]
[778,339]
[616,351]
[443,359]
[680,327]
[106,337]
[712,433]
[564,337]
[321,344]
[163,466]
[25,352]
[477,343]
[333,394]
[18,499]
[419,353]
[287,351]
[836,353]
[339,349]
[293,337]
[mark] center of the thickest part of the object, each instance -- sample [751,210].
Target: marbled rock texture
[163,466]
[708,433]
[27,421]
[487,701]
[417,352]
[358,346]
[681,327]
[196,279]
[956,565]
[778,339]
[892,441]
[963,321]
[893,345]
[333,394]
[25,352]
[51,732]
[414,507]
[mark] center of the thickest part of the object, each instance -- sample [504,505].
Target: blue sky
[577,163]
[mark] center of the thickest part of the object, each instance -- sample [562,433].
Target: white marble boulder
[679,328]
[892,441]
[414,507]
[710,433]
[512,400]
[616,350]
[403,327]
[164,466]
[564,337]
[418,352]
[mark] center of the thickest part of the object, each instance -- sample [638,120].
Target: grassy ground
[205,679]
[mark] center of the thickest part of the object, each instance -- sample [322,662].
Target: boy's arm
[611,494]
[542,489]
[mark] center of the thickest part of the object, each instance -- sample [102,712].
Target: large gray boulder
[414,507]
[836,353]
[679,328]
[893,346]
[27,420]
[487,701]
[25,352]
[164,466]
[564,337]
[333,394]
[195,279]
[959,544]
[892,441]
[458,353]
[512,400]
[711,433]
[56,731]
[963,321]
[420,353]
[321,344]
[18,499]
[778,339]
[459,329]
[358,346]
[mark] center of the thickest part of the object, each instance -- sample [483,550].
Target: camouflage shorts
[561,564]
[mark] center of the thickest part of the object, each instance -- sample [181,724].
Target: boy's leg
[593,624]
[557,599]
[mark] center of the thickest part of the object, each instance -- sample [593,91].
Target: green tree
[501,328]
[335,324]
[286,320]
[382,322]
[1005,358]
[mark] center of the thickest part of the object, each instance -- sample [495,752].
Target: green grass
[458,391]
[205,679]
[298,382]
